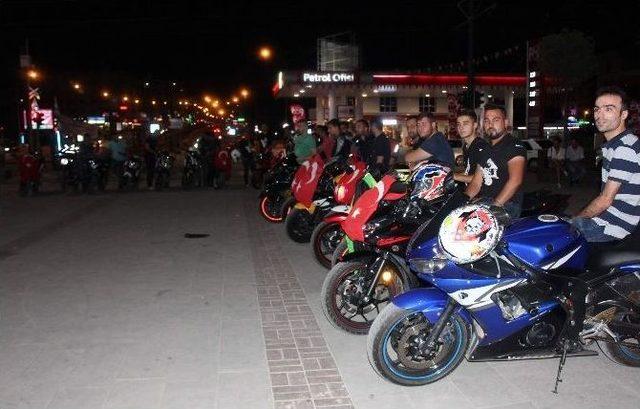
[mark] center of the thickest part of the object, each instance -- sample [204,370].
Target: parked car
[533,147]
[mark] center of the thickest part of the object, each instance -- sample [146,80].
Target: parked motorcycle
[277,189]
[500,290]
[164,163]
[30,170]
[382,221]
[192,172]
[312,189]
[130,173]
[328,234]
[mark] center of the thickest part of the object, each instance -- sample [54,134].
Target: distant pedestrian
[556,158]
[574,162]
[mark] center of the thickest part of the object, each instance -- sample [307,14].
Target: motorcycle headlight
[64,161]
[427,265]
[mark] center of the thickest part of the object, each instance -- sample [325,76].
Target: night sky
[211,45]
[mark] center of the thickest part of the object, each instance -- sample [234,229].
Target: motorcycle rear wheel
[621,354]
[395,342]
[299,225]
[270,209]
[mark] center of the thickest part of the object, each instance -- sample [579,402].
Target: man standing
[362,139]
[574,161]
[434,146]
[118,149]
[501,169]
[379,152]
[556,157]
[473,147]
[615,212]
[342,145]
[304,144]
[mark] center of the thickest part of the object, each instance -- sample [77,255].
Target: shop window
[388,104]
[427,105]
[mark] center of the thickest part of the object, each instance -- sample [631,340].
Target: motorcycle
[192,173]
[164,163]
[277,189]
[382,222]
[130,173]
[312,189]
[328,234]
[497,290]
[30,170]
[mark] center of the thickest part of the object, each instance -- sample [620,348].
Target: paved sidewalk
[105,304]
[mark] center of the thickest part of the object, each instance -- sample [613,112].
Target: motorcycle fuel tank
[546,242]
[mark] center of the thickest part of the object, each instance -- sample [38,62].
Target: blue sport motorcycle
[492,290]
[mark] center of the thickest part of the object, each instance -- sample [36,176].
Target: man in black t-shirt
[473,147]
[379,152]
[500,172]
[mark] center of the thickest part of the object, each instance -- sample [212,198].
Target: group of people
[568,161]
[495,163]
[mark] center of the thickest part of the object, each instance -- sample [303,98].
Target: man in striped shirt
[615,213]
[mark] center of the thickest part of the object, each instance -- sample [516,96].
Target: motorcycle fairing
[306,180]
[364,207]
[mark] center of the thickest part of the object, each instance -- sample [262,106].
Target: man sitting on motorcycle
[500,172]
[615,212]
[434,145]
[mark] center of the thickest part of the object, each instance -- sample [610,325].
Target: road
[105,304]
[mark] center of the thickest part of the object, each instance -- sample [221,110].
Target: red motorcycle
[328,234]
[30,169]
[312,189]
[378,229]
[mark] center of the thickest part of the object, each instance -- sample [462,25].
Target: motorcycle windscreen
[306,180]
[364,207]
[347,184]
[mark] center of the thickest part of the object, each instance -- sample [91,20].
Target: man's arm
[516,174]
[416,155]
[463,177]
[473,188]
[602,201]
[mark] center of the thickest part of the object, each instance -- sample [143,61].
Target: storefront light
[532,74]
[364,95]
[302,91]
[444,91]
[296,95]
[427,95]
[532,103]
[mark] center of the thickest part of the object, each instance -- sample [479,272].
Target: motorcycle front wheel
[270,209]
[325,239]
[299,225]
[344,291]
[397,352]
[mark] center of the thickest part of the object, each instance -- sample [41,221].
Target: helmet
[429,180]
[469,233]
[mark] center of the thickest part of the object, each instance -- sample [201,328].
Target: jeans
[592,231]
[575,170]
[513,208]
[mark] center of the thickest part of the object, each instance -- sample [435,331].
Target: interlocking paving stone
[302,369]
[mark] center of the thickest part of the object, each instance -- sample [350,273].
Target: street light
[235,99]
[221,112]
[76,86]
[265,53]
[125,98]
[207,99]
[33,74]
[244,92]
[105,94]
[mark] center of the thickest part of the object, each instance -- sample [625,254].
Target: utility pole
[471,12]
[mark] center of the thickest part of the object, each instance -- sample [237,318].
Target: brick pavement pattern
[302,369]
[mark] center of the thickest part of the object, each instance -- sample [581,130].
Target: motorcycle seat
[605,256]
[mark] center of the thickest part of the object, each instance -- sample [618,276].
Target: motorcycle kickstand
[563,359]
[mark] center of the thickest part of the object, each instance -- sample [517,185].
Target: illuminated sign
[328,77]
[96,120]
[44,116]
[385,88]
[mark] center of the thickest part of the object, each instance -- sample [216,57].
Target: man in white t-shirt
[574,162]
[556,158]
